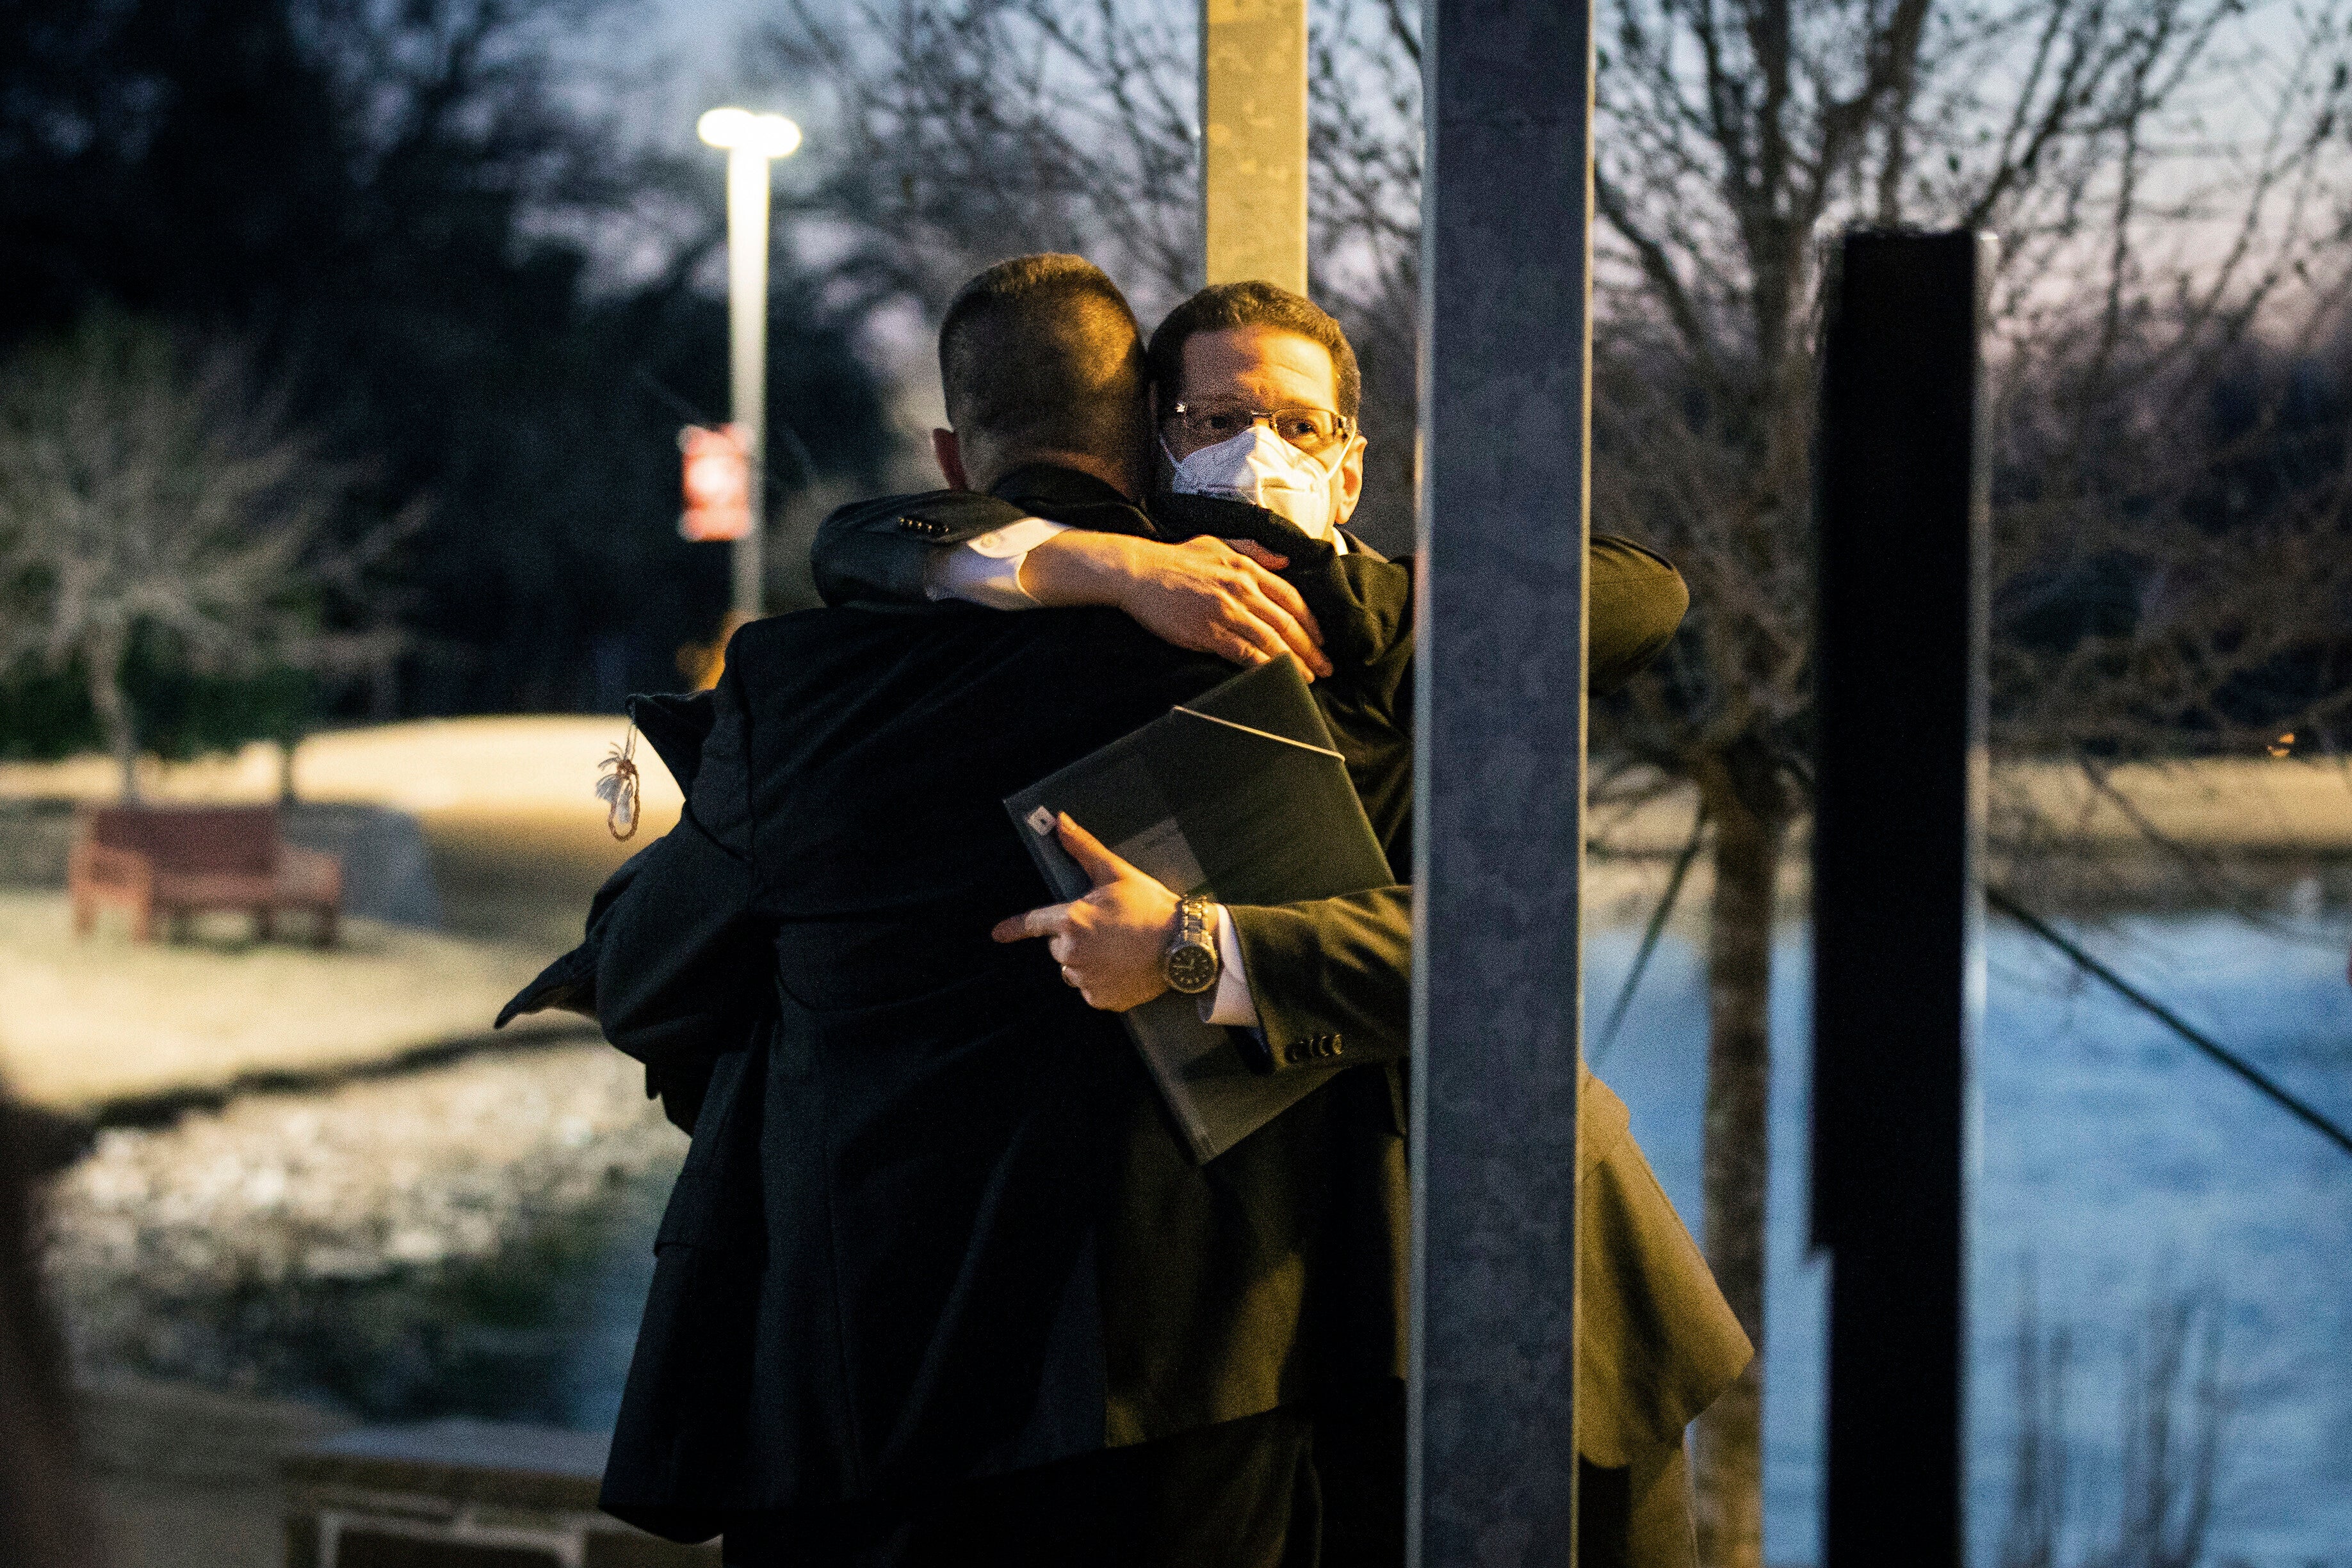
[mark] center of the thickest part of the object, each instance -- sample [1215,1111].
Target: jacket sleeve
[1637,601]
[1331,978]
[874,550]
[683,968]
[569,985]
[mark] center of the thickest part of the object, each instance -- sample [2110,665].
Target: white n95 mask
[1262,468]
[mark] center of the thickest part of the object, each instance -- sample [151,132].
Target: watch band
[1191,964]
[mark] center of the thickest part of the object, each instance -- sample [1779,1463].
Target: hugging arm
[1210,595]
[1337,972]
[879,551]
[902,550]
[1638,599]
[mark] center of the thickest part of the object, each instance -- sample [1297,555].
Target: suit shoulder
[759,643]
[1384,589]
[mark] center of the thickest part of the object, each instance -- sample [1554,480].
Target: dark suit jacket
[932,1224]
[1659,1342]
[1276,1273]
[1337,969]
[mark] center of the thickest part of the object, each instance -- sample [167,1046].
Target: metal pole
[1898,904]
[746,318]
[1499,776]
[1254,140]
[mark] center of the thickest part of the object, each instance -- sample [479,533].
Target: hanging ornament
[617,786]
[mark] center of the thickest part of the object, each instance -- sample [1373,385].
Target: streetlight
[751,142]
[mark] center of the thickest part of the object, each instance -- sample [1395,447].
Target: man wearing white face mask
[1255,393]
[1262,468]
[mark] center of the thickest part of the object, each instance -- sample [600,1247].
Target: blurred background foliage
[390,214]
[47,714]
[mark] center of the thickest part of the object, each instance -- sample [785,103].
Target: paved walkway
[183,1477]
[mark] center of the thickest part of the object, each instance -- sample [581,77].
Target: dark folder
[1238,795]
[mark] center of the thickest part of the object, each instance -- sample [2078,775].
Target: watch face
[1191,967]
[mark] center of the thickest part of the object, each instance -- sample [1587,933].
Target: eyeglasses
[1313,431]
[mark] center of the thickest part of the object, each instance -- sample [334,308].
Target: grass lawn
[101,1019]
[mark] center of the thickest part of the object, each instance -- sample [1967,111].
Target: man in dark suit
[1256,391]
[1229,367]
[1247,1318]
[936,1283]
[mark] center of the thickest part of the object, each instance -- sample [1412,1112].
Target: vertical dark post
[1897,903]
[1499,771]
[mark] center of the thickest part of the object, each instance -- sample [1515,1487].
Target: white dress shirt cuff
[986,570]
[1231,1003]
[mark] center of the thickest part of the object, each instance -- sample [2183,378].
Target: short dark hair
[1252,303]
[1043,352]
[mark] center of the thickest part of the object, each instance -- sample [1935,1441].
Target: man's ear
[949,451]
[1350,481]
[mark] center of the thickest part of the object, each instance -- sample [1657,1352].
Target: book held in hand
[1239,796]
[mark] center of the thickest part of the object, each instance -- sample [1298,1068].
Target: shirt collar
[1057,486]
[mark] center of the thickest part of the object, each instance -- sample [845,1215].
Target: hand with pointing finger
[1110,943]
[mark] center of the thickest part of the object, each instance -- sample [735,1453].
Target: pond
[2120,1171]
[448,1242]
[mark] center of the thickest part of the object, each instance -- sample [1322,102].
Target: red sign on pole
[717,483]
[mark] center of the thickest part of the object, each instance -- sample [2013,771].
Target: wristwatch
[1191,963]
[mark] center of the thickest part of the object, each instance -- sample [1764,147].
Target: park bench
[178,860]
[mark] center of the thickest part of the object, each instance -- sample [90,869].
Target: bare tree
[975,130]
[989,128]
[2169,178]
[144,500]
[2165,181]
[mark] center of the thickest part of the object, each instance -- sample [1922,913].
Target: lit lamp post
[751,142]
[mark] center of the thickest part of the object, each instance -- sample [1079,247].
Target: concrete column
[1254,140]
[1499,771]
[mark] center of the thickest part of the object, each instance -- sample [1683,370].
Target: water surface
[2119,1166]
